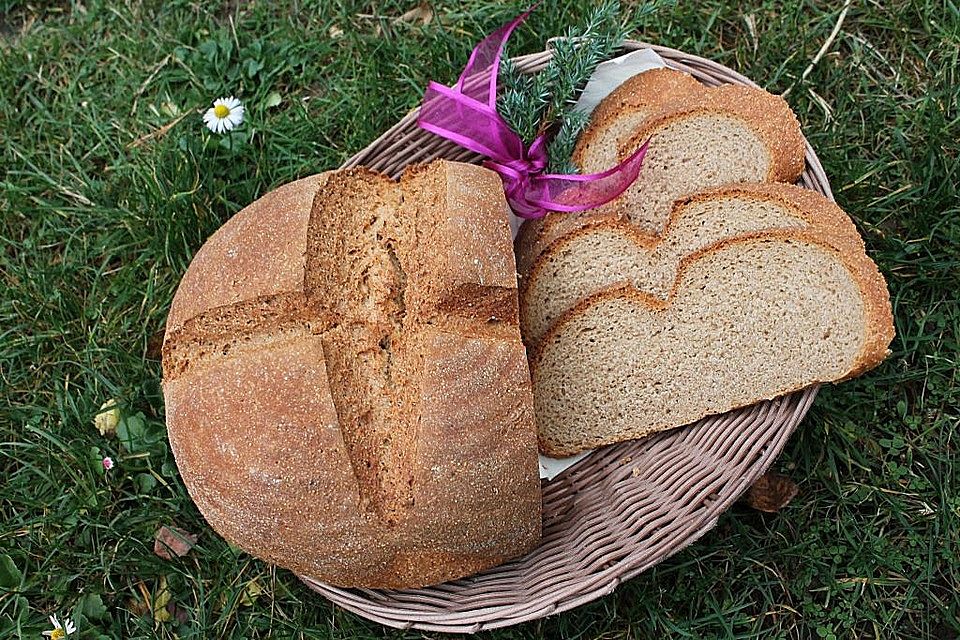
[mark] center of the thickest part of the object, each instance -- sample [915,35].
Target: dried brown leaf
[138,607]
[155,345]
[157,133]
[177,613]
[173,541]
[420,14]
[771,492]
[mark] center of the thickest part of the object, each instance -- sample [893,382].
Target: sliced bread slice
[748,319]
[730,134]
[610,252]
[698,139]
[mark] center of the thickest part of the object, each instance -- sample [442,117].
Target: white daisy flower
[59,632]
[224,115]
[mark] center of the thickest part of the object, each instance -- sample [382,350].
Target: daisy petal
[225,114]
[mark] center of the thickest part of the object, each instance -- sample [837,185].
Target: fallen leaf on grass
[160,601]
[157,133]
[177,613]
[250,593]
[273,100]
[771,492]
[155,345]
[173,541]
[159,604]
[107,420]
[138,607]
[422,13]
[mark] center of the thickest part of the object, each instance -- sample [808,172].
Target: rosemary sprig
[563,142]
[522,100]
[543,102]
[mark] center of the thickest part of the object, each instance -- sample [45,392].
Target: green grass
[97,230]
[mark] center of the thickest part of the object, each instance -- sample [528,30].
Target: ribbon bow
[466,113]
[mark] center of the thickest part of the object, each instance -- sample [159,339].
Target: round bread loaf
[346,390]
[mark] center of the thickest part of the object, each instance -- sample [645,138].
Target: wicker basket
[619,511]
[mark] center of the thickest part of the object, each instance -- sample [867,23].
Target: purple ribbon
[466,113]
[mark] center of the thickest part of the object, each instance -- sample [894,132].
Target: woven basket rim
[519,591]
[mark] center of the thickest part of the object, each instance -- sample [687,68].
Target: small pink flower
[107,463]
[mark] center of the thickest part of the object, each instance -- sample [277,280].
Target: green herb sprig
[533,104]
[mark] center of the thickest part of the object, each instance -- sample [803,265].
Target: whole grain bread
[610,251]
[748,319]
[346,390]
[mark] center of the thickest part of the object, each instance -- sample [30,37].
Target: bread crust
[258,429]
[532,240]
[231,267]
[821,214]
[878,324]
[767,115]
[650,91]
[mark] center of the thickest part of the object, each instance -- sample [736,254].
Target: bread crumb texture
[609,252]
[347,393]
[748,318]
